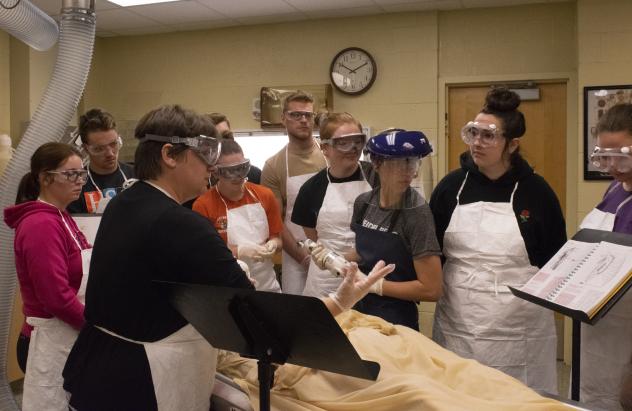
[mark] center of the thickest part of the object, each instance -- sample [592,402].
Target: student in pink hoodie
[51,256]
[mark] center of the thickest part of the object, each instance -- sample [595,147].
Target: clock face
[353,71]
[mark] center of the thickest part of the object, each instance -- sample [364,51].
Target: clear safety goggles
[347,143]
[488,135]
[404,165]
[298,115]
[206,147]
[78,175]
[100,150]
[612,159]
[233,171]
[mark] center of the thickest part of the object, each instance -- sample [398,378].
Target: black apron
[373,246]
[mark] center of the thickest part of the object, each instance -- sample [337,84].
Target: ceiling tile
[137,31]
[176,13]
[101,5]
[204,25]
[247,8]
[116,19]
[497,3]
[277,18]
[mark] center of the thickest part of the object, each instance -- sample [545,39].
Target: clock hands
[360,66]
[350,71]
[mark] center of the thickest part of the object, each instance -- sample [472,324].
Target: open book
[582,276]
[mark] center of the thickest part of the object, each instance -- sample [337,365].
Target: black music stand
[273,328]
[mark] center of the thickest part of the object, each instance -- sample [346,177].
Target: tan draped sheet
[416,374]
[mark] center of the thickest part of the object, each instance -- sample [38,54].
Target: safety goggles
[72,175]
[233,171]
[404,165]
[347,143]
[298,115]
[612,159]
[100,150]
[488,135]
[207,148]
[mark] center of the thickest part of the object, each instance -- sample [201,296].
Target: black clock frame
[371,81]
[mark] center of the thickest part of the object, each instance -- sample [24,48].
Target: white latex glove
[318,255]
[251,252]
[354,287]
[271,248]
[246,270]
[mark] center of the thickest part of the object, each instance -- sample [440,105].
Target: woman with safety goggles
[498,223]
[136,352]
[393,222]
[246,215]
[324,204]
[51,260]
[606,381]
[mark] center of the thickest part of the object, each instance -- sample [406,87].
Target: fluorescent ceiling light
[127,3]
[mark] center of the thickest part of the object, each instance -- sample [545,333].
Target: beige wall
[605,37]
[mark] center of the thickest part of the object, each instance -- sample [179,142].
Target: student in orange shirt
[246,215]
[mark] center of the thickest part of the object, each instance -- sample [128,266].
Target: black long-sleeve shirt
[536,206]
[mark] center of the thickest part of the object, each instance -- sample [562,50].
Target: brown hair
[298,95]
[169,121]
[47,157]
[617,118]
[217,118]
[230,147]
[95,119]
[503,104]
[329,122]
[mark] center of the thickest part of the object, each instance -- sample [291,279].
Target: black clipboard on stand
[273,328]
[588,236]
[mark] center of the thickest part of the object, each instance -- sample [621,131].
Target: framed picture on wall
[597,100]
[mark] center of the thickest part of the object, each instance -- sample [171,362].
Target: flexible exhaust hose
[52,116]
[29,24]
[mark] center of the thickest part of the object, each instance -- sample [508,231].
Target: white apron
[334,231]
[294,274]
[478,317]
[606,347]
[103,200]
[49,346]
[182,369]
[248,224]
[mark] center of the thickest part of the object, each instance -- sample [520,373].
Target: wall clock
[353,71]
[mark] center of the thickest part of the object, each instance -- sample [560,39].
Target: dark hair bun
[501,99]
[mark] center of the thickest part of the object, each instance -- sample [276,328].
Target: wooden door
[544,143]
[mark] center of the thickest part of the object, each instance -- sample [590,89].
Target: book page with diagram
[582,276]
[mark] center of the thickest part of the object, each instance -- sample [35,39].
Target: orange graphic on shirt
[92,200]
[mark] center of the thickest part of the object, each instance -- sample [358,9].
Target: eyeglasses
[233,171]
[72,175]
[206,147]
[99,150]
[298,115]
[488,134]
[347,143]
[612,159]
[406,165]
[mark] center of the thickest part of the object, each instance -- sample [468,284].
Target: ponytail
[28,189]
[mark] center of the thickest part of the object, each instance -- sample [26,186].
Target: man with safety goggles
[284,173]
[106,175]
[246,215]
[324,204]
[607,379]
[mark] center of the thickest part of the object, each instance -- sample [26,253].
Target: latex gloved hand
[354,287]
[251,252]
[319,253]
[271,248]
[246,270]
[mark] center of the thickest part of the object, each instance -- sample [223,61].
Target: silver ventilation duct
[52,116]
